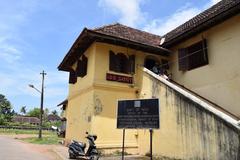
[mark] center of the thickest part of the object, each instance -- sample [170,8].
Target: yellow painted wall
[79,116]
[80,101]
[104,122]
[86,81]
[109,92]
[102,63]
[64,113]
[219,80]
[187,131]
[93,96]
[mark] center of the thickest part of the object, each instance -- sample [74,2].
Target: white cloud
[212,2]
[162,26]
[12,18]
[129,10]
[16,82]
[16,72]
[131,14]
[8,52]
[166,24]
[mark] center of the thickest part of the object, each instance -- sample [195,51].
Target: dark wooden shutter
[197,55]
[84,64]
[132,64]
[205,53]
[112,59]
[72,77]
[126,65]
[119,63]
[123,63]
[182,59]
[81,70]
[64,107]
[79,67]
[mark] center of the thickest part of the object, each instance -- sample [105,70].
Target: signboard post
[138,114]
[151,131]
[123,144]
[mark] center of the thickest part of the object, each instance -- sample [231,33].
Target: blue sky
[36,34]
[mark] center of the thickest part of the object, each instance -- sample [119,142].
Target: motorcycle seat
[81,144]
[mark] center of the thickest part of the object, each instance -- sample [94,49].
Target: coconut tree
[23,110]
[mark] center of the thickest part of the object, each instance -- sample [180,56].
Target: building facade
[198,107]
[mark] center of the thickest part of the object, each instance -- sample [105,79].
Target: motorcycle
[77,149]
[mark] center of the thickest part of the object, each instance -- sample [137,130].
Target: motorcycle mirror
[86,132]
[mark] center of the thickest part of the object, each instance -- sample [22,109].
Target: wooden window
[182,59]
[112,61]
[72,77]
[81,70]
[132,64]
[193,56]
[121,63]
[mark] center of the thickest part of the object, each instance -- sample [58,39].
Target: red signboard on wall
[119,78]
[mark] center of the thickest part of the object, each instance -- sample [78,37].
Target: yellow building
[113,62]
[102,74]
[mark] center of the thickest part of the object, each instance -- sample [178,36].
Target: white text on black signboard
[142,113]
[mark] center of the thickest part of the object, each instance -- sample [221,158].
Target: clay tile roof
[128,33]
[26,119]
[53,117]
[210,17]
[116,34]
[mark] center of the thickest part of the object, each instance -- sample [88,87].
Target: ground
[14,149]
[26,146]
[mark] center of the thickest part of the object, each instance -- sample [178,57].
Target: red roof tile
[116,34]
[128,33]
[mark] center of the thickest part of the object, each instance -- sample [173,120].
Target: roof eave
[82,44]
[202,27]
[129,43]
[63,102]
[62,66]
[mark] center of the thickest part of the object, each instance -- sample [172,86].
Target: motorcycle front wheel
[94,157]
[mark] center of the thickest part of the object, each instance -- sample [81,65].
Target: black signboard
[141,113]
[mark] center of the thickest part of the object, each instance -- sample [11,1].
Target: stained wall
[187,131]
[219,80]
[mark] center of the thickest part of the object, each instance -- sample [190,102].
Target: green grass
[20,131]
[48,137]
[53,139]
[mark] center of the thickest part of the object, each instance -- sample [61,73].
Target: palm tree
[45,114]
[54,112]
[23,110]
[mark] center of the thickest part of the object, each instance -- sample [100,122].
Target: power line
[186,56]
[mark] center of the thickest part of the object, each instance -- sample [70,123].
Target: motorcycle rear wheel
[94,157]
[72,156]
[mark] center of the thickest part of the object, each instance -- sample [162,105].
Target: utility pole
[41,108]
